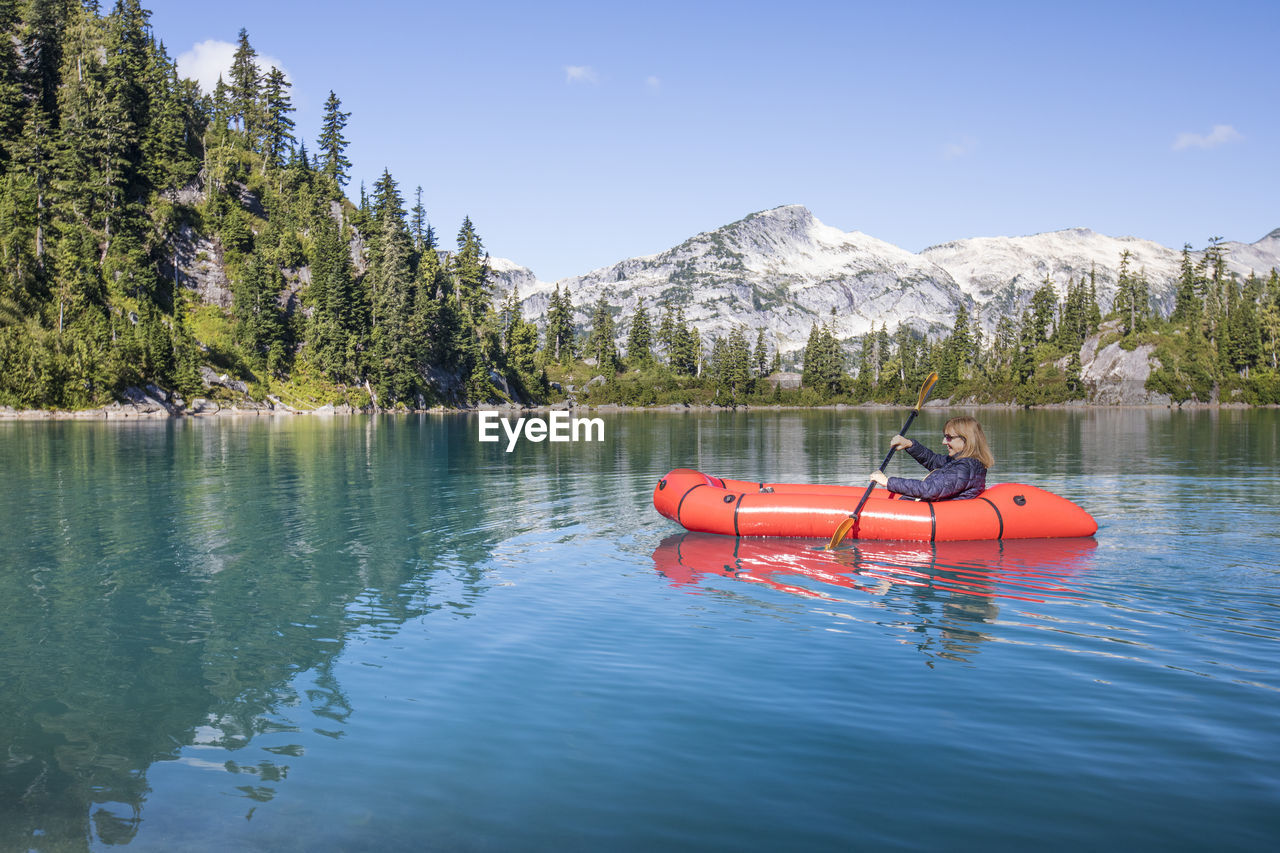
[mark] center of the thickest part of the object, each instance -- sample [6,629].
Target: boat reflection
[1020,569]
[949,592]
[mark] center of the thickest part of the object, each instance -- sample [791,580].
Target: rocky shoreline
[153,408]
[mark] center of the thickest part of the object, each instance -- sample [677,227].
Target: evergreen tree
[1044,303]
[277,126]
[640,338]
[259,326]
[957,352]
[600,339]
[735,373]
[1132,303]
[666,336]
[390,285]
[418,223]
[1186,306]
[39,48]
[333,144]
[520,338]
[470,267]
[1074,319]
[330,296]
[1024,362]
[244,90]
[823,362]
[682,343]
[1004,348]
[171,155]
[12,100]
[1269,321]
[434,315]
[1243,339]
[560,327]
[1094,310]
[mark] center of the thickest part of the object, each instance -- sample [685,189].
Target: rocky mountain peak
[782,270]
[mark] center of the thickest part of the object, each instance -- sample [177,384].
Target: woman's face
[953,442]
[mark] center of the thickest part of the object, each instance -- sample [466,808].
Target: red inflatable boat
[702,503]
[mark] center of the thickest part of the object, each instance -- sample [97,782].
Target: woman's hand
[879,478]
[900,442]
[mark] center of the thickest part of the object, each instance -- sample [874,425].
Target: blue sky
[578,134]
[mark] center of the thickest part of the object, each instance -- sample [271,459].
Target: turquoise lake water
[373,633]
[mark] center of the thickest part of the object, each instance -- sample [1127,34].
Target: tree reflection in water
[177,592]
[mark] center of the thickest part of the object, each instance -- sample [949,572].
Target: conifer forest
[116,175]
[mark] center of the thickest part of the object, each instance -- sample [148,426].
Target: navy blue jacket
[947,477]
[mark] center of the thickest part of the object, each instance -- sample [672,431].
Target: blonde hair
[975,441]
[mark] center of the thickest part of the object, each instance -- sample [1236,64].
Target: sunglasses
[946,436]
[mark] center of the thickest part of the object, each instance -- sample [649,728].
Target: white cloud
[963,148]
[1220,135]
[653,83]
[580,74]
[210,59]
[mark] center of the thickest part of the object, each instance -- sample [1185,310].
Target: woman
[962,473]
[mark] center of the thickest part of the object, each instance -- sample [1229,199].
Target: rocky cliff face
[1116,376]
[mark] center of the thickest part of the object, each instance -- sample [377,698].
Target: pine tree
[520,338]
[390,285]
[1243,338]
[1024,363]
[735,375]
[823,362]
[433,314]
[470,268]
[220,111]
[1093,309]
[174,124]
[666,335]
[39,47]
[329,296]
[258,325]
[244,90]
[600,340]
[1044,303]
[684,346]
[277,126]
[1186,306]
[418,223]
[333,144]
[1269,320]
[640,338]
[957,352]
[11,94]
[560,327]
[1133,302]
[1004,348]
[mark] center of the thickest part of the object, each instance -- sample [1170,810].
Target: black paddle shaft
[885,463]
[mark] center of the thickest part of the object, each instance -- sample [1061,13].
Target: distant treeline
[116,177]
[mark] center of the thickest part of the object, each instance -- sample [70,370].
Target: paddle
[848,524]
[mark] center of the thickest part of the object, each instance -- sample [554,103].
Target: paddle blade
[841,532]
[925,389]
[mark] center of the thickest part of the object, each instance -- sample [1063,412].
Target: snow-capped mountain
[782,270]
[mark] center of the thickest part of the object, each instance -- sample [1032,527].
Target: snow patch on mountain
[782,270]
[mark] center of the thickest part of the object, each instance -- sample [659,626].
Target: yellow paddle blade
[841,532]
[925,389]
